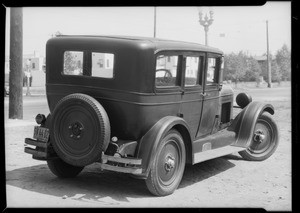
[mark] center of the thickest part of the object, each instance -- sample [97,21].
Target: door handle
[204,94]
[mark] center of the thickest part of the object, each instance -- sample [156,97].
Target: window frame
[177,86]
[201,60]
[218,58]
[105,61]
[201,67]
[181,69]
[87,63]
[63,62]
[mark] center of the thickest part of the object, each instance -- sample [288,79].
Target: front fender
[149,142]
[244,123]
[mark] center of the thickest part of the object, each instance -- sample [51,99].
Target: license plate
[41,133]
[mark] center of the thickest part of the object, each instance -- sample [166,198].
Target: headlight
[243,99]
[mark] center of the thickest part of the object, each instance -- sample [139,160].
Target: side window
[211,76]
[166,70]
[101,69]
[73,61]
[191,70]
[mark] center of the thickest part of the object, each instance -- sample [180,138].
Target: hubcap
[262,138]
[75,130]
[169,159]
[259,136]
[169,163]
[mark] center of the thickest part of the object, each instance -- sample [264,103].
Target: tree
[275,72]
[253,70]
[283,59]
[235,66]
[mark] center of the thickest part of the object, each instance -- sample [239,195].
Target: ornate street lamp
[206,22]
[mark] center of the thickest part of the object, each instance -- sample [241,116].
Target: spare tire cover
[80,129]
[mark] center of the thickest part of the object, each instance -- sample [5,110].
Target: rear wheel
[265,140]
[168,166]
[62,169]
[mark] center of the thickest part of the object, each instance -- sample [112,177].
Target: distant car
[143,106]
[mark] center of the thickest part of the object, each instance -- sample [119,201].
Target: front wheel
[62,169]
[265,140]
[168,166]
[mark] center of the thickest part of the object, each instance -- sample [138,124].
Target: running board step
[215,153]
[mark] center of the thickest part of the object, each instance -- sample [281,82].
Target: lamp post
[154,22]
[206,22]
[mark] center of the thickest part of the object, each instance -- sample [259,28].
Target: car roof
[157,43]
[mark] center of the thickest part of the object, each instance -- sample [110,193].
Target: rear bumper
[118,164]
[107,162]
[40,150]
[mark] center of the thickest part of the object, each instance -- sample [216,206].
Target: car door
[191,101]
[211,88]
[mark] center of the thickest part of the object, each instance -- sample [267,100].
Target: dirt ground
[228,181]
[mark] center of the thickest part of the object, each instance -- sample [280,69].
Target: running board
[215,153]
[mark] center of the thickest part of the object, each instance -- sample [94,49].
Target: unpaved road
[224,182]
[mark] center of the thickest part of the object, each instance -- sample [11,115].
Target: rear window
[73,61]
[102,64]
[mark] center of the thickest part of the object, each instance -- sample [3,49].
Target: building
[35,61]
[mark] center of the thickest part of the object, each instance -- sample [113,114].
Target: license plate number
[41,133]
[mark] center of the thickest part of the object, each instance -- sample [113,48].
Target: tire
[80,129]
[163,179]
[62,169]
[261,149]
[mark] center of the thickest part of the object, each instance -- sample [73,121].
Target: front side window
[73,61]
[101,69]
[191,70]
[211,71]
[166,71]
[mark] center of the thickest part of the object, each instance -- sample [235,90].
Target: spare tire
[80,129]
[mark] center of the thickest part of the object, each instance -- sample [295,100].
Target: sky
[233,29]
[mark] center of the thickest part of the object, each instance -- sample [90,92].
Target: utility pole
[268,59]
[154,22]
[206,22]
[15,64]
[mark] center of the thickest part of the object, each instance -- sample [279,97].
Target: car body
[143,106]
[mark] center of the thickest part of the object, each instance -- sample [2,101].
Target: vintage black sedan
[143,106]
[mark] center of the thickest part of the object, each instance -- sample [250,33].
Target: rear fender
[150,141]
[244,123]
[48,121]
